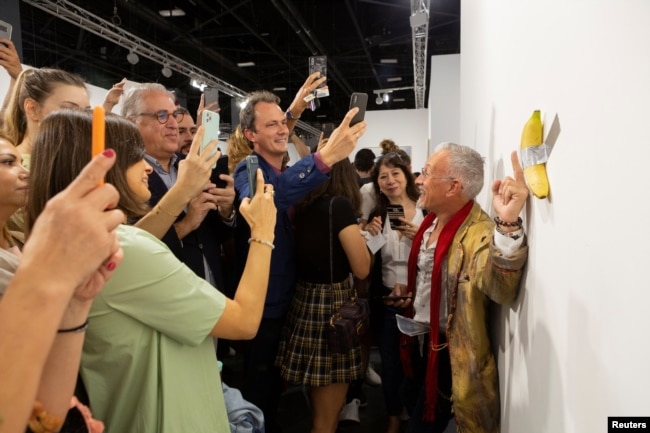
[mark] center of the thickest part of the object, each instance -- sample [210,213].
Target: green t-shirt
[148,360]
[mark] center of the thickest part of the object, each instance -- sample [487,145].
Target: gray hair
[466,165]
[132,104]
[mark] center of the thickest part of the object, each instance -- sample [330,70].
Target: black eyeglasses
[162,116]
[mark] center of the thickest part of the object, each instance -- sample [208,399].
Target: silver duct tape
[535,155]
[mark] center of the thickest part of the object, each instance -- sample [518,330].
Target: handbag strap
[331,245]
[354,294]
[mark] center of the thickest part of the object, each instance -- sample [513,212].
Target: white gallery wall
[407,128]
[574,348]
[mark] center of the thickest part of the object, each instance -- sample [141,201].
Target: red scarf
[442,247]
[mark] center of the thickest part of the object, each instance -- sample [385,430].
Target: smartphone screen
[211,94]
[5,30]
[358,100]
[210,121]
[222,168]
[318,63]
[395,211]
[251,170]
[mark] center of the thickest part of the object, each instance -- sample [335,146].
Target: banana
[535,175]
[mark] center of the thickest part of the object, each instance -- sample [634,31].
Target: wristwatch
[290,115]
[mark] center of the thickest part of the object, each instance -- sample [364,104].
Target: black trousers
[263,384]
[414,390]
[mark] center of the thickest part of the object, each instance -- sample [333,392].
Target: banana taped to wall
[535,152]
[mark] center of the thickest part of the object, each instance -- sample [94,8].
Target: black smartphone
[222,168]
[394,212]
[358,100]
[211,94]
[251,169]
[5,30]
[318,63]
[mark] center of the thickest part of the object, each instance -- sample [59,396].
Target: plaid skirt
[304,357]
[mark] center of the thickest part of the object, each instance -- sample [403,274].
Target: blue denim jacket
[290,186]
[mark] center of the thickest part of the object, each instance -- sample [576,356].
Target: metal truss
[420,29]
[73,14]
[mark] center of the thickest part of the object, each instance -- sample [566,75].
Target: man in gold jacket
[460,260]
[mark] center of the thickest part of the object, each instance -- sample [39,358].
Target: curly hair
[387,146]
[238,148]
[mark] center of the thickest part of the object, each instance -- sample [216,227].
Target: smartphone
[318,64]
[394,212]
[210,121]
[358,100]
[5,30]
[211,94]
[251,169]
[222,168]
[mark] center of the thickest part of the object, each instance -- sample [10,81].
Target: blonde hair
[238,148]
[36,84]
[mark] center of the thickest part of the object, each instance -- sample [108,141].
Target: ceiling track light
[132,57]
[383,95]
[166,71]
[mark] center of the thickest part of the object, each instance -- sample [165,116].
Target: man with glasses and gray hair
[200,215]
[461,260]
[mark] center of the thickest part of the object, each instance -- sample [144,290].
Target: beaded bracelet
[500,222]
[262,241]
[80,328]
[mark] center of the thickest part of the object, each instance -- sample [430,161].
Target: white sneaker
[372,377]
[350,411]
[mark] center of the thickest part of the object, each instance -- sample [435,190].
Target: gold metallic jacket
[475,273]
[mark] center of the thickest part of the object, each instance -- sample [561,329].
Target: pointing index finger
[194,147]
[518,172]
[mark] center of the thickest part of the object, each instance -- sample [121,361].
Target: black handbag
[352,320]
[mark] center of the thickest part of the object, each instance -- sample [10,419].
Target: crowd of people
[121,274]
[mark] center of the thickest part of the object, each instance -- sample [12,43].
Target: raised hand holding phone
[210,122]
[359,100]
[343,139]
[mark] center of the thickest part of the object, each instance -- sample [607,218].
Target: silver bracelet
[262,241]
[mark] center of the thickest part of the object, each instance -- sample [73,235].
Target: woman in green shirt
[148,360]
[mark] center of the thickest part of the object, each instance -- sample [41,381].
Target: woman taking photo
[44,293]
[155,320]
[326,257]
[393,185]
